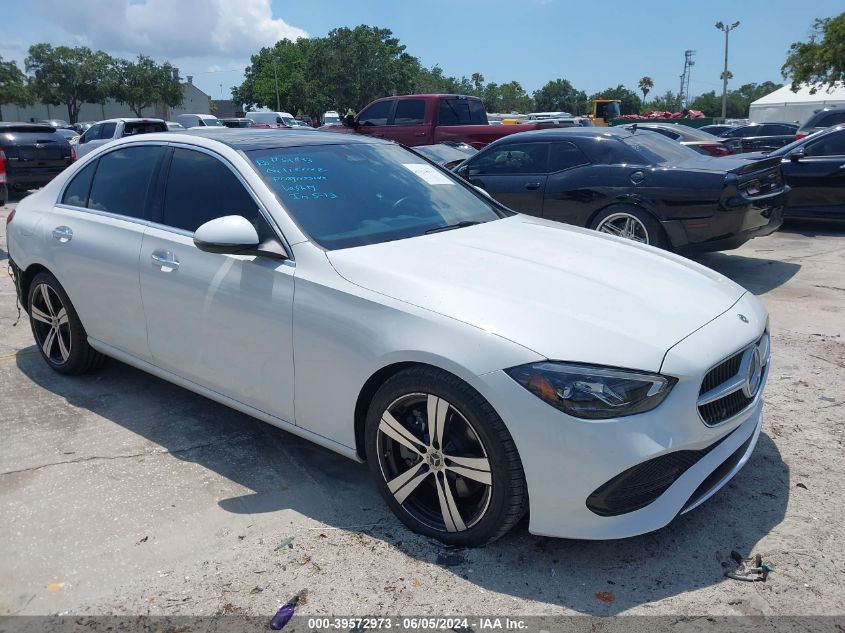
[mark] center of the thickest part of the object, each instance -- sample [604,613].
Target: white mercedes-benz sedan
[343,288]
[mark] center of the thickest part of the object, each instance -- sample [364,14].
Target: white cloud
[172,28]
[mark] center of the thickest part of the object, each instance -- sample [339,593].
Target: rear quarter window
[76,192]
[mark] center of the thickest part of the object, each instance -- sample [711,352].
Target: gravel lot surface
[123,494]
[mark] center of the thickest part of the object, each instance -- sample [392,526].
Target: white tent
[785,106]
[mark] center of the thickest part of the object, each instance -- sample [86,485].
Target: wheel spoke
[437,410]
[39,315]
[45,294]
[448,508]
[47,346]
[476,468]
[62,316]
[390,426]
[611,229]
[63,350]
[407,482]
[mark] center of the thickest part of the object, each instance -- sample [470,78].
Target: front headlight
[594,393]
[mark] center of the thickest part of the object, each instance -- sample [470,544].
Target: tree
[630,103]
[821,61]
[514,98]
[70,76]
[13,86]
[668,102]
[645,85]
[560,96]
[144,83]
[478,81]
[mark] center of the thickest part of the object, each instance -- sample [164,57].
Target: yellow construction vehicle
[604,110]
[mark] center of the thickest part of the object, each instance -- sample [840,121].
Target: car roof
[39,126]
[251,138]
[566,133]
[133,120]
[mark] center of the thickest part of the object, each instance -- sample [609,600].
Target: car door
[571,193]
[221,321]
[818,178]
[373,119]
[408,124]
[513,173]
[95,236]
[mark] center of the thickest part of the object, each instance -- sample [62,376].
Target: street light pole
[276,76]
[727,29]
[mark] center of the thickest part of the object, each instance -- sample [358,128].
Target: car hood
[564,292]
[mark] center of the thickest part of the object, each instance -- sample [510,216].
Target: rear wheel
[631,223]
[443,459]
[58,332]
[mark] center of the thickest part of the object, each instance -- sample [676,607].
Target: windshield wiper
[449,227]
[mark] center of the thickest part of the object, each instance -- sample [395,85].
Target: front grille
[722,394]
[638,486]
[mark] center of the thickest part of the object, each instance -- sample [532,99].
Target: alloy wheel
[50,324]
[624,225]
[434,462]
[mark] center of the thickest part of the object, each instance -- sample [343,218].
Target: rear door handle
[165,260]
[63,234]
[532,185]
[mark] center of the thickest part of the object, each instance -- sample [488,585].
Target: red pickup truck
[429,119]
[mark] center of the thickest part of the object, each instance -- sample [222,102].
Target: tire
[644,228]
[58,332]
[485,493]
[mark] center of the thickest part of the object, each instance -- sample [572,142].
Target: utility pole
[276,75]
[683,95]
[727,29]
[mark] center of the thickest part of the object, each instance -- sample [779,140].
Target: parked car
[639,185]
[468,354]
[717,128]
[69,133]
[447,155]
[331,118]
[820,120]
[198,120]
[82,126]
[273,119]
[237,122]
[174,125]
[427,119]
[759,137]
[701,142]
[33,154]
[307,120]
[105,131]
[814,168]
[55,123]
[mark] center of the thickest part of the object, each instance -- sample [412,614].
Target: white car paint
[472,302]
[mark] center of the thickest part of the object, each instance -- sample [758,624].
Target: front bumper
[566,459]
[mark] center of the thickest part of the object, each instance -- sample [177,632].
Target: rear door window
[461,112]
[107,131]
[76,193]
[122,180]
[132,128]
[409,112]
[829,145]
[200,188]
[834,118]
[376,114]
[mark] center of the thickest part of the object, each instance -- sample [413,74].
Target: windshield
[351,195]
[211,122]
[331,118]
[289,121]
[655,148]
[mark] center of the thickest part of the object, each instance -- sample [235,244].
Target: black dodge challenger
[634,184]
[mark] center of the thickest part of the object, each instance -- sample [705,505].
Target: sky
[595,45]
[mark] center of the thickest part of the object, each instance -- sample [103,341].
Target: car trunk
[33,154]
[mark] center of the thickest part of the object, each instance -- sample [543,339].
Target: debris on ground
[605,596]
[285,612]
[143,540]
[450,559]
[749,569]
[287,542]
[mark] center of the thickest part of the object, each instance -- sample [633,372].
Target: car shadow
[286,472]
[814,228]
[758,274]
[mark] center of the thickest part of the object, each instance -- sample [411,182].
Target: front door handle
[842,167]
[63,234]
[419,133]
[165,260]
[532,185]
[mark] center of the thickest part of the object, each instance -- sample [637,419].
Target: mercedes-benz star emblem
[743,318]
[753,375]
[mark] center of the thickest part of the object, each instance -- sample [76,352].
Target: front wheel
[443,459]
[631,223]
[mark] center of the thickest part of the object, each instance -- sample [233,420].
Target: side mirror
[231,234]
[462,171]
[797,154]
